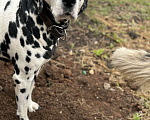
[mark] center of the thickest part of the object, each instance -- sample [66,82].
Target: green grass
[107,7]
[123,10]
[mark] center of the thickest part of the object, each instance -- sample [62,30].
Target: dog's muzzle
[69,3]
[68,6]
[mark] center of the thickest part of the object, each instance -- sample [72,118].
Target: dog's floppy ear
[39,5]
[83,7]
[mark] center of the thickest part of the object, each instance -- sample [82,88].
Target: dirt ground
[68,90]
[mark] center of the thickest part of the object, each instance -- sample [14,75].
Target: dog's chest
[24,32]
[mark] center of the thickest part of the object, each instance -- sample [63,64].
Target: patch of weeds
[105,56]
[111,45]
[136,117]
[96,21]
[90,28]
[72,45]
[117,84]
[117,38]
[76,52]
[103,33]
[98,52]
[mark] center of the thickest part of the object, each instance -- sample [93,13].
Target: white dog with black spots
[26,41]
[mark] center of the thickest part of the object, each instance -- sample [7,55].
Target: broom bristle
[134,65]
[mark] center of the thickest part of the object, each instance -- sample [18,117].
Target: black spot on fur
[17,20]
[42,29]
[24,5]
[17,98]
[44,36]
[16,56]
[34,78]
[36,44]
[28,59]
[39,20]
[23,90]
[16,69]
[14,85]
[7,4]
[7,40]
[30,39]
[3,47]
[35,71]
[27,97]
[22,42]
[30,22]
[24,30]
[37,55]
[26,69]
[22,15]
[29,53]
[22,119]
[13,29]
[48,54]
[36,32]
[17,81]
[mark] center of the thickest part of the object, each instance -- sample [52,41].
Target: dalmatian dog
[29,34]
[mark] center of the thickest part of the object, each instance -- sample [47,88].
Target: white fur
[57,9]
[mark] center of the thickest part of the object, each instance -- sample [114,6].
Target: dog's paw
[33,107]
[24,118]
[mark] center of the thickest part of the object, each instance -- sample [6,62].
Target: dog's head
[64,9]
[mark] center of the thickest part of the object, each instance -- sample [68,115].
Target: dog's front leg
[32,106]
[22,91]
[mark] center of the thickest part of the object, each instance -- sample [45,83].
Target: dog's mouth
[67,16]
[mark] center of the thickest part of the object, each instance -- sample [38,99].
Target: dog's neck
[33,28]
[57,30]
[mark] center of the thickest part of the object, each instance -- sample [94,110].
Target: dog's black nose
[69,3]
